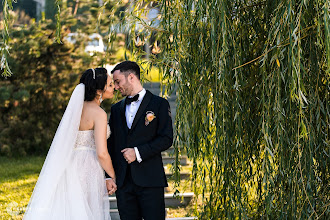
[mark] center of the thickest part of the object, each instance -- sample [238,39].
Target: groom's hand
[129,155]
[111,186]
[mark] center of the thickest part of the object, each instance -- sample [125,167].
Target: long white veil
[54,171]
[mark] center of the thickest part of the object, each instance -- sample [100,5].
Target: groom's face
[122,84]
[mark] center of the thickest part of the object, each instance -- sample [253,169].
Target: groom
[141,128]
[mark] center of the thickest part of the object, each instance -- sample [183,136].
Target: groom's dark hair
[127,67]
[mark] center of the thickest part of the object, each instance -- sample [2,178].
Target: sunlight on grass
[19,176]
[17,180]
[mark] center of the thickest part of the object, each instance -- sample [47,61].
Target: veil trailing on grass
[58,188]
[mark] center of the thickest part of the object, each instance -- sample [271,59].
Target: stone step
[156,86]
[183,175]
[182,199]
[153,85]
[113,202]
[169,160]
[173,110]
[164,153]
[172,105]
[171,99]
[182,218]
[173,114]
[114,214]
[155,89]
[148,85]
[170,151]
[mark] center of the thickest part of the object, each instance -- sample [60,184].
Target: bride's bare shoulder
[100,117]
[101,113]
[91,114]
[93,110]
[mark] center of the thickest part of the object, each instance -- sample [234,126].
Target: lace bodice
[85,139]
[91,176]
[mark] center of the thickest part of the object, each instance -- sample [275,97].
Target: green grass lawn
[18,177]
[17,180]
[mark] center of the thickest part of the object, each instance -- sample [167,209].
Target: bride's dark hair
[91,84]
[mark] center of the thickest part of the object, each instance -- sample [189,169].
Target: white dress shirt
[130,113]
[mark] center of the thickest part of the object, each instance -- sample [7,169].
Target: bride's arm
[100,135]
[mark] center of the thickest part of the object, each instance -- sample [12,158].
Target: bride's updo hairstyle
[93,84]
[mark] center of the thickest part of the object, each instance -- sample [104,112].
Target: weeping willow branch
[277,46]
[58,4]
[326,9]
[4,48]
[257,135]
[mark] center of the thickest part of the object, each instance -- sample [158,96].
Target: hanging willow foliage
[253,106]
[4,49]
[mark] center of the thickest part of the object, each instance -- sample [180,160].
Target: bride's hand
[111,186]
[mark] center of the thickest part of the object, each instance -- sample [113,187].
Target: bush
[33,100]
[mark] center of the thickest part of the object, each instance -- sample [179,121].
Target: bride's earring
[100,99]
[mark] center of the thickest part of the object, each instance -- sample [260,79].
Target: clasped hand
[129,155]
[111,186]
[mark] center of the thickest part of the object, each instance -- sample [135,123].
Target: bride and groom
[71,184]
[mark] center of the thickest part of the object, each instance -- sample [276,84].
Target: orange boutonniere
[149,117]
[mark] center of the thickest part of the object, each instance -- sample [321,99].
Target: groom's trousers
[136,202]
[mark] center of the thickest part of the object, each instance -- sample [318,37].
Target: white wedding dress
[71,184]
[91,175]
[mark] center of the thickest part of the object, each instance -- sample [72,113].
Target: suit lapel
[141,110]
[123,117]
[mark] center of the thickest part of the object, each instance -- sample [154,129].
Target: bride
[72,184]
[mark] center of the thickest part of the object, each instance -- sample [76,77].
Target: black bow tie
[129,100]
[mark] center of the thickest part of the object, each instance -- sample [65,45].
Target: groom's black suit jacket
[150,140]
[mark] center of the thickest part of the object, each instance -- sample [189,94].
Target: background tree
[33,99]
[253,110]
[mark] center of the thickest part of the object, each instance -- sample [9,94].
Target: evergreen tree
[34,98]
